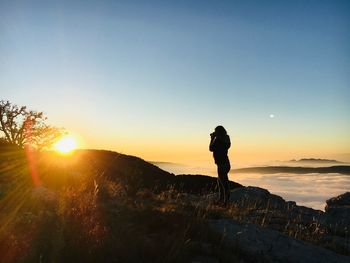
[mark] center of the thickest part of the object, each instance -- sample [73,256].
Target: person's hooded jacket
[219,145]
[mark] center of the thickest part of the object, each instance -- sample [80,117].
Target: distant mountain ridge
[341,169]
[314,160]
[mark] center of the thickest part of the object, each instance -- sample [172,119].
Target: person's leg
[226,183]
[223,175]
[221,183]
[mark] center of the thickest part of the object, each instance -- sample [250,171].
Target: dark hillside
[57,171]
[96,206]
[102,206]
[134,170]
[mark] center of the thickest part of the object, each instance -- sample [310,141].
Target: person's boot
[226,200]
[220,198]
[218,201]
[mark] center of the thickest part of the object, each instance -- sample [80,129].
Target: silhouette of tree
[26,127]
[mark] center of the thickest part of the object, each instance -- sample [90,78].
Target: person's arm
[228,142]
[212,143]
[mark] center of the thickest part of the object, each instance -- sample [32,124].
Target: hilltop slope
[102,206]
[116,166]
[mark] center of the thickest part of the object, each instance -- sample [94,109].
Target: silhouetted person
[219,145]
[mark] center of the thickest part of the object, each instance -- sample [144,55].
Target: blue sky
[153,78]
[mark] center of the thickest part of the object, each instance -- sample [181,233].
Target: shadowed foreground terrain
[101,206]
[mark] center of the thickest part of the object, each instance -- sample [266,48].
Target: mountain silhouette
[315,160]
[341,169]
[116,166]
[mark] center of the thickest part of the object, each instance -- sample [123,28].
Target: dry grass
[79,214]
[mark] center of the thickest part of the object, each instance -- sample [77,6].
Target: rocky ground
[329,229]
[106,207]
[269,229]
[258,244]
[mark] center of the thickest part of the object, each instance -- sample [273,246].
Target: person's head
[220,131]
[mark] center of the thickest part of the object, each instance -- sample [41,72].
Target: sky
[154,78]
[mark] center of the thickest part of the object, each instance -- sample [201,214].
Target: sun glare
[66,145]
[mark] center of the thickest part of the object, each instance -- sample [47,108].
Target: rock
[339,208]
[338,244]
[337,216]
[204,260]
[340,200]
[305,215]
[205,249]
[258,244]
[262,202]
[256,198]
[260,207]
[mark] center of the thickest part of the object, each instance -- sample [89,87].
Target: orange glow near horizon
[66,145]
[246,149]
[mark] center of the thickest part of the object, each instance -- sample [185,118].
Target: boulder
[337,215]
[258,244]
[340,200]
[339,206]
[256,198]
[260,200]
[330,229]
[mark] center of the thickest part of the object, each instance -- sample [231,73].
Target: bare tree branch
[22,127]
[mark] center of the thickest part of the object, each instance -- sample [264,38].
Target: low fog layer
[311,190]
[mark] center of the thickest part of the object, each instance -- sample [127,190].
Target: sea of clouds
[311,190]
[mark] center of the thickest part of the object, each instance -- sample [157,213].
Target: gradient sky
[153,78]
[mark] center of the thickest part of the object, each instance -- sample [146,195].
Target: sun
[66,145]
